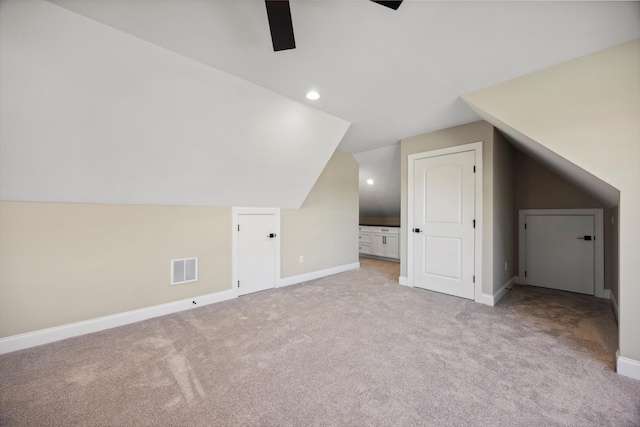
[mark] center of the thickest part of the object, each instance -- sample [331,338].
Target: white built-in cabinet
[379,241]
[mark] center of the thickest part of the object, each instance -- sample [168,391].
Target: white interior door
[256,252]
[560,252]
[443,223]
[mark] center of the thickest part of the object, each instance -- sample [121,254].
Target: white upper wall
[90,114]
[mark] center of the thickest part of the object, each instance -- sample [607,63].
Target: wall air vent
[184,270]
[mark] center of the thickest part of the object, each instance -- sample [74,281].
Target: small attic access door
[562,249]
[256,249]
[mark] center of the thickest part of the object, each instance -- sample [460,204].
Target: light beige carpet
[353,349]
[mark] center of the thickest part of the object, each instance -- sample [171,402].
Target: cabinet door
[378,245]
[391,248]
[365,248]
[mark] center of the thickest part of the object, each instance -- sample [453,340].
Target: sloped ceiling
[580,118]
[392,74]
[175,102]
[91,114]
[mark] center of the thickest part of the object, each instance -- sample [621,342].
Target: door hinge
[474,279]
[238,283]
[474,169]
[525,225]
[238,227]
[474,223]
[525,273]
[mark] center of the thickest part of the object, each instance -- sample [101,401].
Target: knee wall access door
[562,249]
[256,249]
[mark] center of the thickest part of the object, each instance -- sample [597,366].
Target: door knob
[417,230]
[271,235]
[586,238]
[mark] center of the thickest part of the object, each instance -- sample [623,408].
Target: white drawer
[364,238]
[365,228]
[385,230]
[365,248]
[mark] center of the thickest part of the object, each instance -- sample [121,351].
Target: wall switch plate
[301,259]
[505,266]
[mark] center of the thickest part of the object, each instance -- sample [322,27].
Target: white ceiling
[392,74]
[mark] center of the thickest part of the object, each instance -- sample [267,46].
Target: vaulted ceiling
[185,102]
[392,74]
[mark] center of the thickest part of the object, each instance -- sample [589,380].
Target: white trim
[477,148]
[627,367]
[606,293]
[403,281]
[497,295]
[234,242]
[45,336]
[485,299]
[614,304]
[597,214]
[292,280]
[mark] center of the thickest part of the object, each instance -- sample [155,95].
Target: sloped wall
[90,114]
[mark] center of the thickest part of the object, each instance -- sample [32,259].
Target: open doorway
[379,209]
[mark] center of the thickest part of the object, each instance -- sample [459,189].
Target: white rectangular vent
[184,270]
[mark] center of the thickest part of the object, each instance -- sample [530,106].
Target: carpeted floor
[352,349]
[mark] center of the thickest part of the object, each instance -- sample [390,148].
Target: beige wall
[539,188]
[459,135]
[62,263]
[325,229]
[504,218]
[615,258]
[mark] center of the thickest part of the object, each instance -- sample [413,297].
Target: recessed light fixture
[370,181]
[313,95]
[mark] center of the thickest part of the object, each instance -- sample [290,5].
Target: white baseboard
[45,336]
[403,281]
[497,296]
[614,303]
[485,299]
[627,367]
[288,281]
[492,300]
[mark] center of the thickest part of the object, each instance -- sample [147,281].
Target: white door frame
[236,212]
[476,147]
[599,242]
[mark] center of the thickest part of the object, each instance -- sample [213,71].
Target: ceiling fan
[281,26]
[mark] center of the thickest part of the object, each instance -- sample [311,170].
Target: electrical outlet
[301,259]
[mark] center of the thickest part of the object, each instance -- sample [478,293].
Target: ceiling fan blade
[280,24]
[390,4]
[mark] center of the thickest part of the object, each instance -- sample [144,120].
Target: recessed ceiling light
[313,95]
[370,181]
